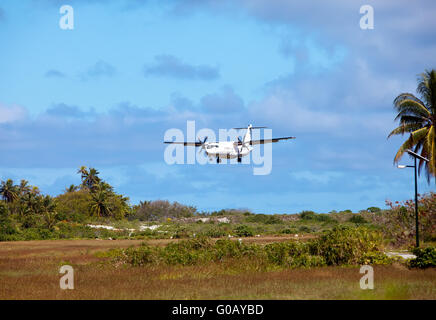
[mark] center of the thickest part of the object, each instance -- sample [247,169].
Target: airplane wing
[263,141]
[193,144]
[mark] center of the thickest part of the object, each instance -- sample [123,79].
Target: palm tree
[24,187]
[100,205]
[32,202]
[92,179]
[48,206]
[8,191]
[418,117]
[83,171]
[83,174]
[89,178]
[35,190]
[71,188]
[105,186]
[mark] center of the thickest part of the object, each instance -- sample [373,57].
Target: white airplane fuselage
[226,150]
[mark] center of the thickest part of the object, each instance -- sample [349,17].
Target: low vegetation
[30,270]
[94,210]
[340,246]
[425,258]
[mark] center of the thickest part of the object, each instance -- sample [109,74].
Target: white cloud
[285,109]
[12,113]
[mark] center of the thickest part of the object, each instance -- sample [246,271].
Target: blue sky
[104,94]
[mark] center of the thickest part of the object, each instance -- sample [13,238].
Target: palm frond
[424,87]
[419,135]
[413,108]
[406,145]
[403,128]
[406,96]
[430,150]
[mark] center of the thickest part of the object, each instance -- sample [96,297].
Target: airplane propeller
[243,145]
[202,144]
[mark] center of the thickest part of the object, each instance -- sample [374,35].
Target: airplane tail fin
[247,137]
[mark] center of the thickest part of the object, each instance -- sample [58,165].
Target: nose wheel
[218,160]
[239,159]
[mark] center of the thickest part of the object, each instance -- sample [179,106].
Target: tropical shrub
[161,210]
[289,231]
[244,231]
[398,222]
[292,254]
[425,258]
[357,219]
[307,215]
[8,227]
[263,218]
[215,233]
[340,246]
[305,229]
[344,245]
[74,206]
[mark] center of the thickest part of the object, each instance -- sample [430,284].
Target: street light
[401,166]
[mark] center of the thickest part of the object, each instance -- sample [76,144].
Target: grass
[30,270]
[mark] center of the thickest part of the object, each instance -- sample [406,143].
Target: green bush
[346,211]
[244,231]
[425,258]
[8,226]
[225,249]
[292,254]
[139,256]
[357,219]
[263,218]
[160,210]
[340,246]
[307,215]
[305,229]
[375,257]
[215,233]
[74,206]
[289,231]
[322,217]
[344,245]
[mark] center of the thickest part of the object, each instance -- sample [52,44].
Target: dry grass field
[30,270]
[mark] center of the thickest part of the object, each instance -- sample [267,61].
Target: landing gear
[218,160]
[239,159]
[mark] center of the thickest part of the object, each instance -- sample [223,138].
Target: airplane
[230,149]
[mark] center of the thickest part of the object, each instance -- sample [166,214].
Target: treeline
[26,213]
[23,208]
